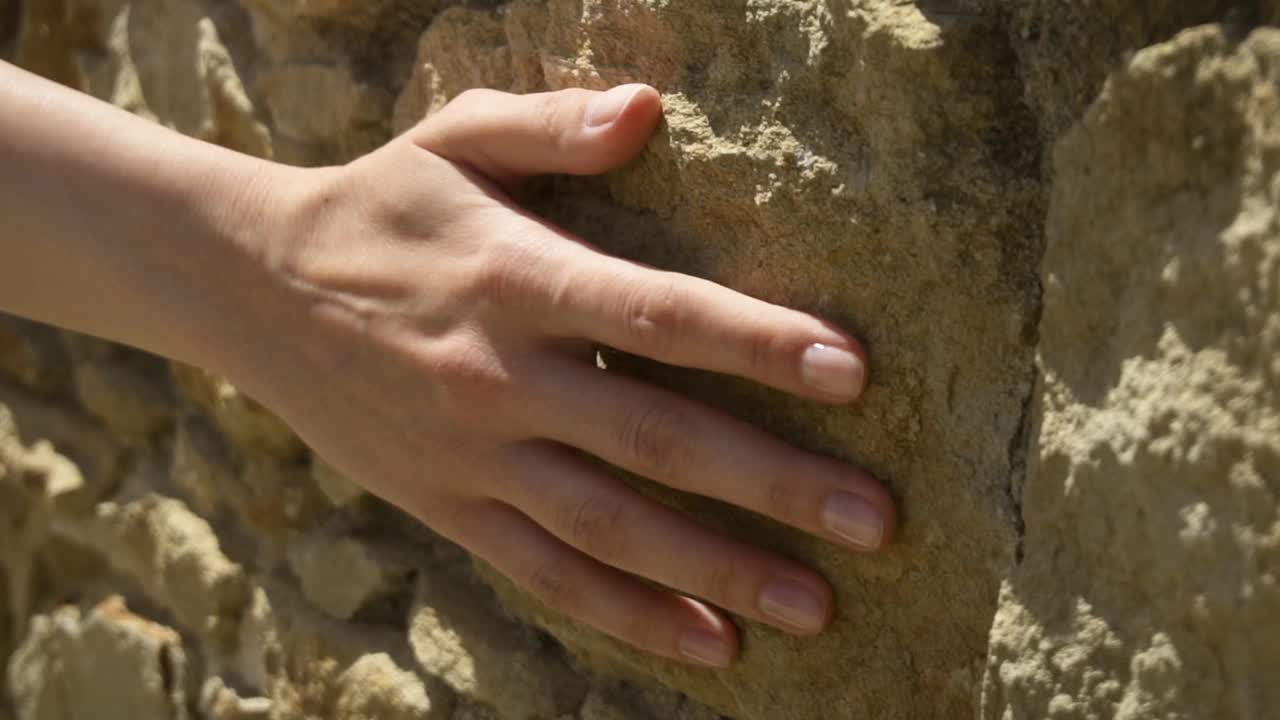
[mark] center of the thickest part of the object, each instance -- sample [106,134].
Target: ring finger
[601,516]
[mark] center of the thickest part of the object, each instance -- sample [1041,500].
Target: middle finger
[604,518]
[688,446]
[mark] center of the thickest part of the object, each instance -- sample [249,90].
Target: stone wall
[1055,225]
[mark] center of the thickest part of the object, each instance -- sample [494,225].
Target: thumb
[507,136]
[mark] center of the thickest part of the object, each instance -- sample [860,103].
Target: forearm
[114,226]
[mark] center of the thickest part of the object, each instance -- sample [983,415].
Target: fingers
[604,518]
[685,445]
[666,316]
[611,601]
[687,321]
[507,136]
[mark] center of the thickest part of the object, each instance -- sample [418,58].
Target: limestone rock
[801,163]
[31,354]
[97,456]
[335,486]
[309,665]
[219,702]
[175,556]
[464,48]
[109,664]
[202,465]
[127,401]
[245,421]
[342,575]
[458,636]
[1151,581]
[373,687]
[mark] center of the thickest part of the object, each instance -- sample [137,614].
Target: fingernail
[853,519]
[705,648]
[832,370]
[791,603]
[607,106]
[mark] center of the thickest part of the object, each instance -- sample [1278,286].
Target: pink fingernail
[793,604]
[833,370]
[705,648]
[853,519]
[607,106]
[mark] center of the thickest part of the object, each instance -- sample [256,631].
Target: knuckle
[660,440]
[469,382]
[524,268]
[655,315]
[549,583]
[512,276]
[472,98]
[594,525]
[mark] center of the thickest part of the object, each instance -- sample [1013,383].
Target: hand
[436,346]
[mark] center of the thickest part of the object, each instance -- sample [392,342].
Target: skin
[434,342]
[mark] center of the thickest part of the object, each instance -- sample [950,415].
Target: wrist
[260,312]
[237,298]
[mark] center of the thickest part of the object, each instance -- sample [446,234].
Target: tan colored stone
[312,666]
[1150,585]
[174,556]
[342,575]
[374,687]
[338,488]
[34,480]
[97,455]
[464,48]
[108,665]
[244,420]
[219,702]
[202,465]
[460,636]
[31,354]
[624,701]
[871,163]
[128,402]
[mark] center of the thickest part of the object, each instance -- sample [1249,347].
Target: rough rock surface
[898,166]
[1150,585]
[110,664]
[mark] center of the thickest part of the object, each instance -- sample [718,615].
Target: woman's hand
[436,347]
[434,342]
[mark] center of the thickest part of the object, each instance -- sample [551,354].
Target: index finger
[683,320]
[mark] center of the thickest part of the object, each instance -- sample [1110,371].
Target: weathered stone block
[1150,585]
[109,664]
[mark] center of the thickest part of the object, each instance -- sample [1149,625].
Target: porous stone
[109,664]
[458,635]
[245,421]
[174,555]
[800,163]
[128,402]
[342,575]
[31,354]
[219,702]
[1150,585]
[374,687]
[339,489]
[309,665]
